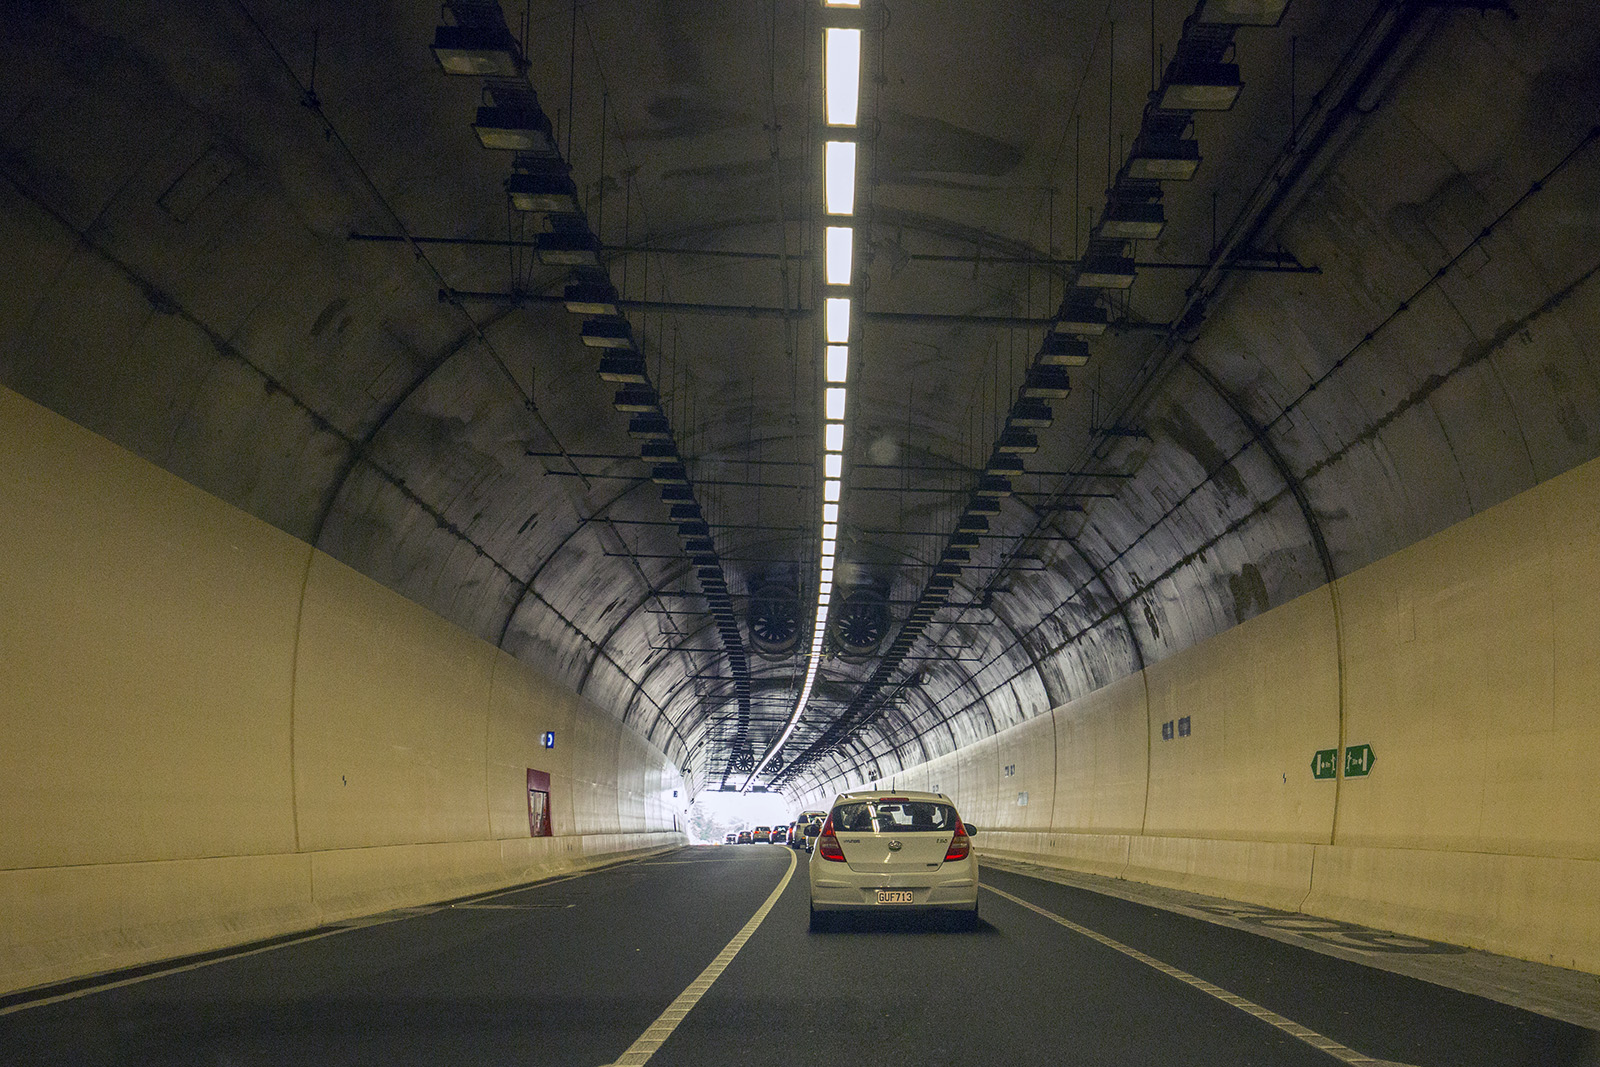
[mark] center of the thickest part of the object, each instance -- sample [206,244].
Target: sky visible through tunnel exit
[714,815]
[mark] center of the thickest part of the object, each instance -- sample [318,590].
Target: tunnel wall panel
[216,734]
[1468,662]
[1259,699]
[1102,759]
[1456,650]
[135,647]
[390,718]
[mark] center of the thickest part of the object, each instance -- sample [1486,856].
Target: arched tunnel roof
[261,245]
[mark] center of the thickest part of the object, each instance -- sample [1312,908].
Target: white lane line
[342,927]
[120,983]
[1288,1026]
[641,1050]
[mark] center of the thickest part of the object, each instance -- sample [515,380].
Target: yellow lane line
[1272,1018]
[652,1039]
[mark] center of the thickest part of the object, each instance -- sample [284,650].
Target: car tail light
[960,847]
[828,845]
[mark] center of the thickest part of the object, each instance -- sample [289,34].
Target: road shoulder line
[1319,1041]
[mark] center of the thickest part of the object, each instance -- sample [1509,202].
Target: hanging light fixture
[1242,12]
[1199,86]
[542,186]
[1081,313]
[487,51]
[591,293]
[516,128]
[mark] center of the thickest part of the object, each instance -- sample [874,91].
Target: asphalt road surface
[671,961]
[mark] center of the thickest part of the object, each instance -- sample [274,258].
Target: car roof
[879,794]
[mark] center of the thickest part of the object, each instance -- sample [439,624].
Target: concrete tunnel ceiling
[260,245]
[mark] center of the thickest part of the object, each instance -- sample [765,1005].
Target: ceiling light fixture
[516,129]
[838,240]
[833,437]
[838,363]
[842,66]
[839,177]
[836,319]
[567,248]
[543,193]
[592,296]
[1242,12]
[1133,220]
[487,51]
[1199,86]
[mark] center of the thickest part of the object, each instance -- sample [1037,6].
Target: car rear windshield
[894,816]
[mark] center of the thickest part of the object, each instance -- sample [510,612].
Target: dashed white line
[1272,1018]
[656,1035]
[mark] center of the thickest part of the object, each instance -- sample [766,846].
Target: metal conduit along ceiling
[1163,314]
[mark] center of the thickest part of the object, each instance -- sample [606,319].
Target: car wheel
[819,921]
[969,920]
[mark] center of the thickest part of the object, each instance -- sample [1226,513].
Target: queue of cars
[886,851]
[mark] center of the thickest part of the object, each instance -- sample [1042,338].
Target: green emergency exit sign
[1358,760]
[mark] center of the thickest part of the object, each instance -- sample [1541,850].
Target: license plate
[894,896]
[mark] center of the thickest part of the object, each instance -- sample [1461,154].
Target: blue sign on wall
[549,739]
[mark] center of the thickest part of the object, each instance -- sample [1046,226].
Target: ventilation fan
[774,618]
[860,622]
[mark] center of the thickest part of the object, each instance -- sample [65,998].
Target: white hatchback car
[893,851]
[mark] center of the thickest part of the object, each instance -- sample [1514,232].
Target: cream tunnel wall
[1462,676]
[214,733]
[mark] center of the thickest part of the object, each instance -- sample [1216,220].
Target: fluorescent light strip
[836,319]
[842,63]
[839,177]
[842,89]
[838,363]
[839,242]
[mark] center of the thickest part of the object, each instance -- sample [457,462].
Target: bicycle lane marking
[1289,1026]
[657,1033]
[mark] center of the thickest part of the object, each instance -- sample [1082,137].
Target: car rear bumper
[946,890]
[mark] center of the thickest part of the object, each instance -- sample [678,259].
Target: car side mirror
[972,831]
[812,829]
